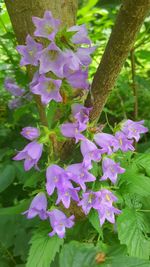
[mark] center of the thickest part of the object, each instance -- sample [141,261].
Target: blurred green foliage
[17,187]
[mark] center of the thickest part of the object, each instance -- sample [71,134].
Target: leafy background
[24,242]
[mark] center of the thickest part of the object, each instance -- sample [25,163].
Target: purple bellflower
[87,202]
[29,52]
[106,141]
[111,170]
[73,130]
[80,175]
[48,89]
[31,153]
[80,36]
[47,26]
[52,59]
[13,88]
[35,80]
[58,178]
[123,143]
[38,207]
[104,197]
[65,194]
[81,113]
[133,129]
[30,133]
[77,79]
[90,152]
[107,213]
[84,55]
[59,222]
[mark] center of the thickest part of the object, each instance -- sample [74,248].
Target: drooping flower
[47,26]
[83,53]
[73,63]
[38,207]
[81,113]
[65,194]
[48,89]
[133,129]
[13,88]
[29,52]
[73,130]
[80,175]
[77,79]
[56,178]
[80,36]
[30,133]
[35,80]
[107,213]
[111,169]
[52,59]
[104,197]
[59,222]
[123,143]
[90,152]
[31,154]
[106,141]
[87,201]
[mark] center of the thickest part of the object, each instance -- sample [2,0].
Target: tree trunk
[21,12]
[128,23]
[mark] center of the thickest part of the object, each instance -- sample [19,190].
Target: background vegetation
[17,187]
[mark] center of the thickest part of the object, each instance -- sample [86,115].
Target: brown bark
[128,23]
[21,12]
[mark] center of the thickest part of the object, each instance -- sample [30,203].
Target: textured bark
[21,12]
[128,23]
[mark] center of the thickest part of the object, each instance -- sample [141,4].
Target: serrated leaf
[77,254]
[43,249]
[125,261]
[132,232]
[6,177]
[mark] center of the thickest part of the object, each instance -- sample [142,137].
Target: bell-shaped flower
[84,53]
[13,88]
[104,197]
[107,213]
[57,178]
[59,222]
[123,143]
[80,36]
[90,152]
[66,193]
[111,169]
[35,80]
[106,141]
[77,79]
[81,113]
[80,175]
[73,130]
[133,129]
[30,133]
[87,202]
[31,154]
[38,207]
[52,59]
[47,26]
[29,52]
[48,89]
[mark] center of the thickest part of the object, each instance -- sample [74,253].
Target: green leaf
[132,232]
[16,209]
[77,254]
[43,249]
[94,220]
[6,177]
[124,261]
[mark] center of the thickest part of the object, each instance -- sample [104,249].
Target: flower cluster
[66,59]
